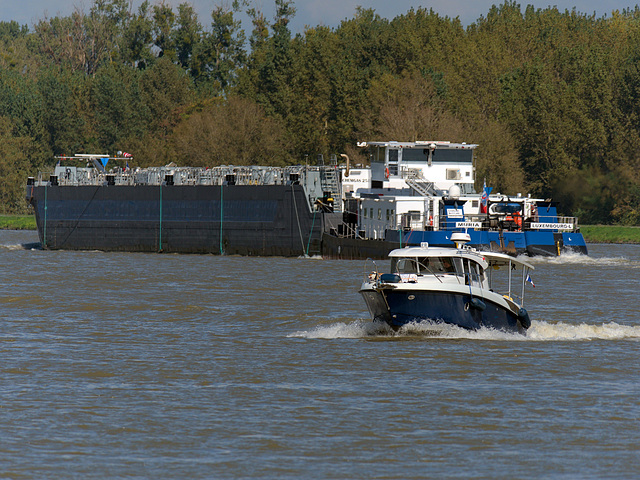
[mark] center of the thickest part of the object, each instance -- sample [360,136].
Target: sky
[311,12]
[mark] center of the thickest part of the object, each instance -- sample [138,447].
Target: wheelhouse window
[404,265]
[393,162]
[428,265]
[415,154]
[453,155]
[438,265]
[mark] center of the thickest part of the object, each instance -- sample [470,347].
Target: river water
[122,365]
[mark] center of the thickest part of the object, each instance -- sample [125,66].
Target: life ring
[386,172]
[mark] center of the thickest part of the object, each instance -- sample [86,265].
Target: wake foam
[21,246]
[539,331]
[356,329]
[543,331]
[569,258]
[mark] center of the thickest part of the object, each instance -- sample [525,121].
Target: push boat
[452,285]
[424,191]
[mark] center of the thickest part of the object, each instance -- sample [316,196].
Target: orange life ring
[386,172]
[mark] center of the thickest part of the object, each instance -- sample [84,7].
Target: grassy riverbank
[610,234]
[17,222]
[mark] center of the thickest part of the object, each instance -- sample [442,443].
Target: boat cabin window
[453,155]
[415,155]
[404,265]
[393,162]
[473,273]
[438,264]
[440,155]
[427,265]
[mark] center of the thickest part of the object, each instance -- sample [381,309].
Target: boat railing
[351,231]
[411,173]
[481,222]
[174,175]
[370,272]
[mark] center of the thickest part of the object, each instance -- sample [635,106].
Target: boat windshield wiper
[420,264]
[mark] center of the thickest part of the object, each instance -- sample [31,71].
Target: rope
[295,205]
[221,216]
[160,222]
[44,239]
[311,232]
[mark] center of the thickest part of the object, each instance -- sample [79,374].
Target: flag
[484,200]
[127,155]
[530,281]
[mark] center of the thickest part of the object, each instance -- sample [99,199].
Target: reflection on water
[189,366]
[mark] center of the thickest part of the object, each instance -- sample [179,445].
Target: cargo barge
[410,193]
[224,210]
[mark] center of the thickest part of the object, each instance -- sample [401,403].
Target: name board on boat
[468,225]
[455,213]
[552,226]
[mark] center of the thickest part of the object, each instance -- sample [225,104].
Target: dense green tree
[270,65]
[187,35]
[220,53]
[17,154]
[136,40]
[61,118]
[117,108]
[164,90]
[234,131]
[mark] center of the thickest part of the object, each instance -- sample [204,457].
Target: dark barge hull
[265,220]
[233,219]
[345,248]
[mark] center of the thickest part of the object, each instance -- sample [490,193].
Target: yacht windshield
[404,265]
[439,264]
[427,265]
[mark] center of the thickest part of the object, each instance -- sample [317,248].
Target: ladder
[329,183]
[424,189]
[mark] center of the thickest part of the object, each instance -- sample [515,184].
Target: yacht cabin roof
[486,259]
[419,144]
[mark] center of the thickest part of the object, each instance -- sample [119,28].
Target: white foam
[539,331]
[311,257]
[356,329]
[544,331]
[11,246]
[569,258]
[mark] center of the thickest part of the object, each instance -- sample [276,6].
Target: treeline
[553,98]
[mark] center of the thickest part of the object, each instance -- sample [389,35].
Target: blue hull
[445,307]
[532,242]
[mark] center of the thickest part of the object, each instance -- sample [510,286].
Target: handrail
[493,222]
[367,276]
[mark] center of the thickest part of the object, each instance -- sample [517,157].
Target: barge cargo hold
[244,211]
